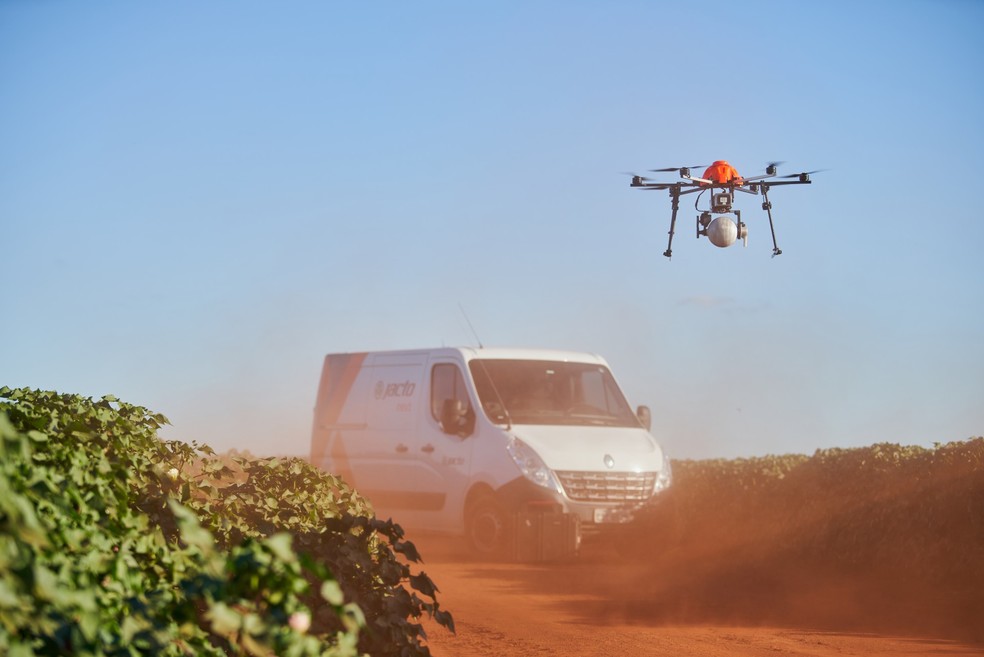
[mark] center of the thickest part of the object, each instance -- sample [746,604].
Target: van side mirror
[454,418]
[645,417]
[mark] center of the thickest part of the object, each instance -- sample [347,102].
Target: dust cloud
[884,540]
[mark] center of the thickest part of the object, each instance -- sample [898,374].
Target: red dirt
[878,551]
[579,609]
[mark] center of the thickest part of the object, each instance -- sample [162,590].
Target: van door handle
[402,449]
[427,449]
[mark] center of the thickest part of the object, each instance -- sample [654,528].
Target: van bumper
[523,496]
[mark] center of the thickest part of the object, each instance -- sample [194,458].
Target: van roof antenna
[474,332]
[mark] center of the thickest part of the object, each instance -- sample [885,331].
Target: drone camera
[705,219]
[721,202]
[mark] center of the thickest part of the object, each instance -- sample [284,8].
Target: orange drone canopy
[721,172]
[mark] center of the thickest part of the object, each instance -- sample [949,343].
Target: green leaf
[280,545]
[332,592]
[423,584]
[224,620]
[21,650]
[46,584]
[8,598]
[192,533]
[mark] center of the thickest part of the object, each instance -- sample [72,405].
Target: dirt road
[529,610]
[874,551]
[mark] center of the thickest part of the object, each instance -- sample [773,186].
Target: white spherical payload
[722,232]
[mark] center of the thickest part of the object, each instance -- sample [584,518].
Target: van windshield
[550,392]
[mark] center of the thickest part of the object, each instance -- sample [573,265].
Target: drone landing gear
[675,195]
[767,206]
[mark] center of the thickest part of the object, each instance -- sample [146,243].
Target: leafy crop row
[115,542]
[895,531]
[807,493]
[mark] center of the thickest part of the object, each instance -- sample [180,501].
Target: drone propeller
[671,169]
[804,173]
[644,179]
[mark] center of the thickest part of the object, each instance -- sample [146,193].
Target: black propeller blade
[671,169]
[804,173]
[642,182]
[649,182]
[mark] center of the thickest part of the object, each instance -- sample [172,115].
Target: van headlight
[665,476]
[532,466]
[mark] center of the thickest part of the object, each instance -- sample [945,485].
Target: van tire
[487,528]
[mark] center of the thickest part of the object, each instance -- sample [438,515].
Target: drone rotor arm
[776,183]
[695,188]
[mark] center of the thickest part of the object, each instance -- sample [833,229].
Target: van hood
[573,448]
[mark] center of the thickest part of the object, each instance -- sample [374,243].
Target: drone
[722,181]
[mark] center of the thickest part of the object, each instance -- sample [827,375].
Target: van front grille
[608,486]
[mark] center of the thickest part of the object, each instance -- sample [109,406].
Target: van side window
[447,385]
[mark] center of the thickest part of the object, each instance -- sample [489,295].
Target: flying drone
[722,181]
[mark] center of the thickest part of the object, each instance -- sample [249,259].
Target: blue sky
[199,200]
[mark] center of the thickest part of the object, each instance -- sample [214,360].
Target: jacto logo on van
[387,390]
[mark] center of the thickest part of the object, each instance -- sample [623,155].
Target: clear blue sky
[199,200]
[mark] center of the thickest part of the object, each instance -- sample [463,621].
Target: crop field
[115,542]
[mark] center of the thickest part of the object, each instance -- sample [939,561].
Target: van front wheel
[487,527]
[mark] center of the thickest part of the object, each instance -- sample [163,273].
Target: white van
[460,440]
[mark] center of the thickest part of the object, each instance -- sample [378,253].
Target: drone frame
[691,184]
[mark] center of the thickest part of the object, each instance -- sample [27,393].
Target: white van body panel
[378,425]
[585,448]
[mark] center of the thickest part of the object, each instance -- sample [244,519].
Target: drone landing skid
[675,205]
